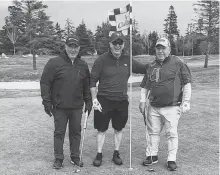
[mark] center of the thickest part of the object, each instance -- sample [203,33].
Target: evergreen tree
[146,42]
[59,32]
[171,28]
[137,45]
[102,37]
[86,39]
[69,28]
[209,12]
[153,37]
[200,26]
[36,27]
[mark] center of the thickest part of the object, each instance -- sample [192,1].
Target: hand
[48,109]
[88,106]
[185,106]
[142,106]
[97,105]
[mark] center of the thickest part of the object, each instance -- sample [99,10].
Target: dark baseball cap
[116,35]
[72,40]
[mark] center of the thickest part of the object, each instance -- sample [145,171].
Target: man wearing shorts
[112,70]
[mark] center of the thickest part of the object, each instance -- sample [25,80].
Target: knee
[59,134]
[172,133]
[76,130]
[154,130]
[101,133]
[117,131]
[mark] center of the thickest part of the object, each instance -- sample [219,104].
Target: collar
[67,59]
[164,61]
[112,56]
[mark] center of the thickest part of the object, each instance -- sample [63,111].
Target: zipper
[117,62]
[77,76]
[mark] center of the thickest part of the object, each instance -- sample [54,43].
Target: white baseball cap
[163,41]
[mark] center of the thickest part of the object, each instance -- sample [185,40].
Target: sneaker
[171,165]
[58,164]
[98,160]
[76,161]
[116,159]
[150,160]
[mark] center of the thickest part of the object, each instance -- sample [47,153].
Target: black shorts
[111,109]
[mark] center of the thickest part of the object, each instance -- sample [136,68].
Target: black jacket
[65,84]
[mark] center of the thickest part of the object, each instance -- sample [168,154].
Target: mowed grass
[17,68]
[26,138]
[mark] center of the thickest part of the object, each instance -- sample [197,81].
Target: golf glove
[185,106]
[48,109]
[97,105]
[88,106]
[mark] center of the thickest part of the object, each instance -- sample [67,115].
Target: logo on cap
[116,35]
[164,42]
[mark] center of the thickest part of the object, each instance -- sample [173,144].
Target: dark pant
[61,117]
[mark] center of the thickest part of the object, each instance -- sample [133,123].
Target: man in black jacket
[64,89]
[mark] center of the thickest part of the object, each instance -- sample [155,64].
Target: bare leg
[100,141]
[118,137]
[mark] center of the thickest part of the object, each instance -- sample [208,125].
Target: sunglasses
[73,45]
[160,48]
[120,42]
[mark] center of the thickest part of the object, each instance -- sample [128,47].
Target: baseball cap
[163,41]
[116,35]
[72,40]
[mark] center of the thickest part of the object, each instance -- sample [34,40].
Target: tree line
[28,29]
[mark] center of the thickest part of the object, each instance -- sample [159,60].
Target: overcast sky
[150,15]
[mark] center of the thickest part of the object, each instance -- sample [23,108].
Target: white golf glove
[185,106]
[97,105]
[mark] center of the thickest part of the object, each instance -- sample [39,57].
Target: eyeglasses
[120,42]
[155,75]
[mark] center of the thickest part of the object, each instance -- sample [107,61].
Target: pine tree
[153,37]
[209,12]
[137,45]
[69,28]
[171,28]
[59,31]
[86,39]
[102,37]
[34,24]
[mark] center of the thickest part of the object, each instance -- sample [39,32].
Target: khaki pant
[156,119]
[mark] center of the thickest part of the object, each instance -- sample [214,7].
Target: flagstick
[130,97]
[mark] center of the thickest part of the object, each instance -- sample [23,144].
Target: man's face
[72,50]
[116,47]
[162,52]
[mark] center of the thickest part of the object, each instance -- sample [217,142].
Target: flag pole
[130,97]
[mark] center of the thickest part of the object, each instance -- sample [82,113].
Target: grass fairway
[26,139]
[17,68]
